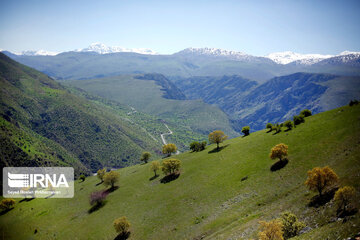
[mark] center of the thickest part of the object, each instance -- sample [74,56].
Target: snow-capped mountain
[37,53]
[211,51]
[103,49]
[288,57]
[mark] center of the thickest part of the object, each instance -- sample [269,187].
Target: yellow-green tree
[217,137]
[169,148]
[145,156]
[170,166]
[111,178]
[344,196]
[291,225]
[101,173]
[271,230]
[320,179]
[121,225]
[7,203]
[279,151]
[155,166]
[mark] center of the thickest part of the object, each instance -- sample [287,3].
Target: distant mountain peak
[211,51]
[103,49]
[288,57]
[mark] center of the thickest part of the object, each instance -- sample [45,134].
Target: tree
[288,124]
[279,151]
[7,204]
[196,146]
[246,130]
[122,225]
[101,173]
[97,198]
[353,102]
[169,148]
[298,119]
[111,178]
[319,179]
[145,157]
[155,166]
[305,113]
[170,166]
[291,225]
[271,230]
[82,177]
[344,196]
[269,126]
[217,137]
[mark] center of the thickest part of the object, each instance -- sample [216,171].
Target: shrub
[320,179]
[353,102]
[145,157]
[169,148]
[111,178]
[101,173]
[217,137]
[289,124]
[291,225]
[196,146]
[298,119]
[97,198]
[271,230]
[343,197]
[170,166]
[246,130]
[82,177]
[305,113]
[7,204]
[155,166]
[269,126]
[279,151]
[122,225]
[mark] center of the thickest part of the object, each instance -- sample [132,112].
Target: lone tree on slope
[101,173]
[145,157]
[111,178]
[169,148]
[155,166]
[171,166]
[320,179]
[246,130]
[279,151]
[217,137]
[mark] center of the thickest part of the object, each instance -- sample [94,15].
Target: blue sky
[254,27]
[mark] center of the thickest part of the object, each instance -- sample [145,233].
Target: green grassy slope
[209,200]
[34,103]
[184,117]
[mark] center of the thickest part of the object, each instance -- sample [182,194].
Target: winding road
[164,140]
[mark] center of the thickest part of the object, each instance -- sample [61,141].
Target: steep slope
[38,107]
[218,195]
[188,118]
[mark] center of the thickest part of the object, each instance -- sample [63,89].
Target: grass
[209,200]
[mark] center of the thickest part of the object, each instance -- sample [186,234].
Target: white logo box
[38,182]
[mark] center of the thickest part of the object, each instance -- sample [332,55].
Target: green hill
[48,125]
[219,195]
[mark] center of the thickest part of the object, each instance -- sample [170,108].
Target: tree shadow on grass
[154,177]
[269,131]
[288,129]
[170,177]
[112,189]
[318,201]
[279,165]
[122,236]
[5,211]
[26,200]
[276,132]
[96,207]
[99,183]
[215,150]
[344,213]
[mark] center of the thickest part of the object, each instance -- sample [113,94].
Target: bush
[279,151]
[291,225]
[145,157]
[246,130]
[298,119]
[170,166]
[320,179]
[7,204]
[343,197]
[82,177]
[111,178]
[97,198]
[197,147]
[269,126]
[353,102]
[305,113]
[122,225]
[289,124]
[271,230]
